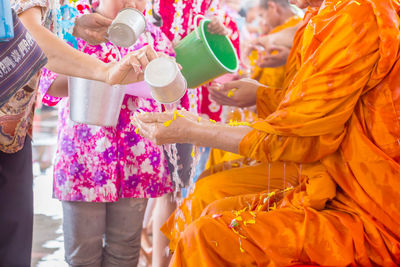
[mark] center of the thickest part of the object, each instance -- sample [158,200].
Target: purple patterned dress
[103,164]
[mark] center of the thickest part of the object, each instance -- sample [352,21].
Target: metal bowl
[93,102]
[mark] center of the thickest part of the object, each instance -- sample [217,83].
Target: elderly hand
[131,68]
[275,56]
[217,27]
[92,28]
[185,127]
[240,93]
[167,127]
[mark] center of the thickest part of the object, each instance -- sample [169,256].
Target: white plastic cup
[126,28]
[165,80]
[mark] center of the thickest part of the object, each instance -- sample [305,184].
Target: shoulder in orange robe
[235,181]
[272,77]
[339,121]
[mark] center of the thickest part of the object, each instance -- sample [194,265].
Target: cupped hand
[92,28]
[217,27]
[131,68]
[274,57]
[167,127]
[240,93]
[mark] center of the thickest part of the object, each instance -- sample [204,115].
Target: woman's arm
[65,60]
[59,88]
[61,57]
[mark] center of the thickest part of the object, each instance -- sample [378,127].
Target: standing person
[104,175]
[338,120]
[17,84]
[23,60]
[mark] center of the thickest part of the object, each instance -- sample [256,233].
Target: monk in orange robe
[235,181]
[278,14]
[339,121]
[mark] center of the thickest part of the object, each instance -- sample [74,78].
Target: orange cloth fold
[339,120]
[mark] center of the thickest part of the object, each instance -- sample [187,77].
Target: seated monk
[338,120]
[236,182]
[268,70]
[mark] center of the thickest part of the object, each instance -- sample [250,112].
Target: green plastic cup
[205,56]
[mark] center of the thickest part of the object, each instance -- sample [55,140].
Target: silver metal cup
[165,80]
[95,103]
[126,28]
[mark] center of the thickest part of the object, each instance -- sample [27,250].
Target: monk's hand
[131,68]
[166,127]
[274,57]
[241,93]
[217,27]
[92,28]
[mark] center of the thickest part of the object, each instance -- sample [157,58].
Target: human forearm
[218,136]
[59,88]
[61,57]
[185,127]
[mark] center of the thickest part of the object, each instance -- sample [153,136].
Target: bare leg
[164,207]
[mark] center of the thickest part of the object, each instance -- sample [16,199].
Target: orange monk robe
[339,116]
[271,77]
[235,181]
[274,77]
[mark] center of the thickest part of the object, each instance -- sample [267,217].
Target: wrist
[102,71]
[75,29]
[193,133]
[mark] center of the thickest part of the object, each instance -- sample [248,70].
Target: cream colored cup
[126,28]
[165,80]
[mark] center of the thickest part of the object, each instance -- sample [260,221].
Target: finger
[222,99]
[155,117]
[135,63]
[145,130]
[144,61]
[211,28]
[230,85]
[97,37]
[102,21]
[220,94]
[214,88]
[274,50]
[130,4]
[151,53]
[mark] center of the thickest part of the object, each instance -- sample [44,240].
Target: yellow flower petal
[251,221]
[240,246]
[193,152]
[167,123]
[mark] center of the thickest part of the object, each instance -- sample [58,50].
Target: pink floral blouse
[103,164]
[179,19]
